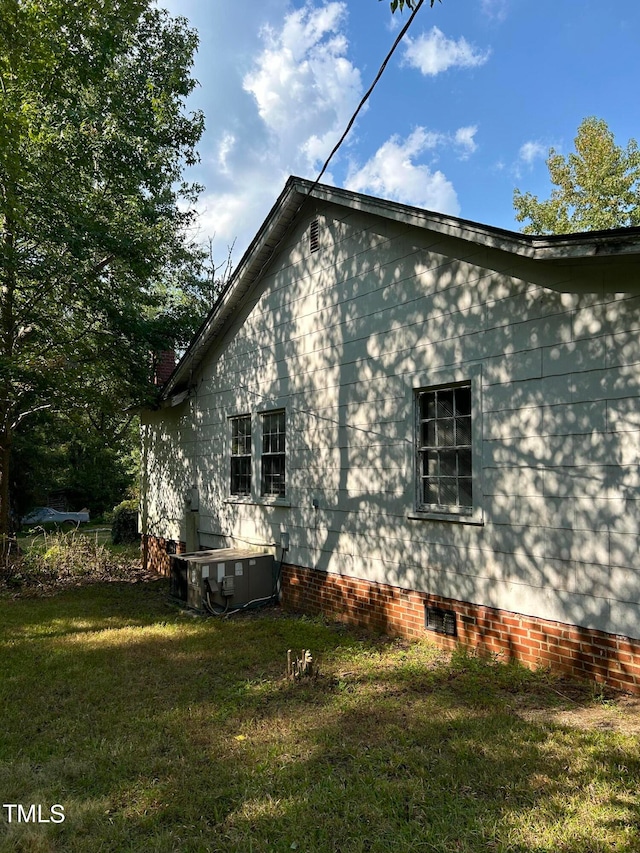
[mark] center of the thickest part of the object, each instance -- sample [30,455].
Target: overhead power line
[368,93]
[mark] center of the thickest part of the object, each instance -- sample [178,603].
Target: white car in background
[47,515]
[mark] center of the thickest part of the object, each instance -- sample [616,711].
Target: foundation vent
[314,236]
[441,621]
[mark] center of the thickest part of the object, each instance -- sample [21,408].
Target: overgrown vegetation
[161,731]
[124,526]
[47,562]
[98,267]
[63,454]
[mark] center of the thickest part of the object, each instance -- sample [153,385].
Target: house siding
[341,338]
[168,442]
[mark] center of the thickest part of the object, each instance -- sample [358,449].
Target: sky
[474,97]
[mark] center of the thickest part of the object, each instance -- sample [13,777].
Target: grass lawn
[160,731]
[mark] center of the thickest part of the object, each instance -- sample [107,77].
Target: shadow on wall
[340,337]
[168,441]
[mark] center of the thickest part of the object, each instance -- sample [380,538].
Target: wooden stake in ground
[299,667]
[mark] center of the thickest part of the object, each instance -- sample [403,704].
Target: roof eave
[567,247]
[256,257]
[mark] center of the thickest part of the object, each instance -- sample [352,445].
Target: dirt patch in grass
[618,712]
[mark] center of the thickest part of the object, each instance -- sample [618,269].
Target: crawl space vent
[314,236]
[441,621]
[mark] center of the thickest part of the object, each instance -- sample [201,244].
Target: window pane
[464,463]
[273,454]
[466,492]
[241,455]
[445,404]
[431,492]
[463,401]
[448,491]
[444,451]
[463,431]
[430,463]
[241,475]
[428,433]
[428,405]
[241,435]
[445,433]
[448,463]
[273,475]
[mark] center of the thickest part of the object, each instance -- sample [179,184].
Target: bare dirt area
[582,705]
[618,713]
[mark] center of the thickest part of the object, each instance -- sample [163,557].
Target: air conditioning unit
[223,578]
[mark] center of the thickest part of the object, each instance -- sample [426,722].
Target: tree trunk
[5,512]
[7,339]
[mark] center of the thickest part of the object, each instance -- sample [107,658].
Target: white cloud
[231,214]
[225,148]
[496,9]
[532,151]
[432,52]
[393,172]
[293,98]
[465,139]
[289,86]
[304,86]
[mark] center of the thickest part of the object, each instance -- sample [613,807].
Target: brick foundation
[156,553]
[581,652]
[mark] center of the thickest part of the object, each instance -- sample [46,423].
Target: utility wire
[342,138]
[367,94]
[365,98]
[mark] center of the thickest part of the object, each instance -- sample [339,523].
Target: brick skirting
[582,652]
[156,553]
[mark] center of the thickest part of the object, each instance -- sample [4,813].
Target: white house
[435,423]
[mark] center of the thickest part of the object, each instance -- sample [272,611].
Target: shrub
[124,528]
[63,559]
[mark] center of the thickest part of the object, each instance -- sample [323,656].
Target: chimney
[163,365]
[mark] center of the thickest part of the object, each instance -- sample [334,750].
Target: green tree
[87,458]
[410,4]
[87,450]
[93,209]
[595,187]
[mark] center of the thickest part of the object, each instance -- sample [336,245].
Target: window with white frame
[444,449]
[241,455]
[273,454]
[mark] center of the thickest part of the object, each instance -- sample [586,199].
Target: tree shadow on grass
[174,733]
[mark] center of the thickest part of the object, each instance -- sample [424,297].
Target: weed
[50,561]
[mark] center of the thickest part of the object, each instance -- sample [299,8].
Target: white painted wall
[341,338]
[168,456]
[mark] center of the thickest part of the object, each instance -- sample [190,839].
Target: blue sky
[465,112]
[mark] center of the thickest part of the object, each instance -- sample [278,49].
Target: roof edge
[297,190]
